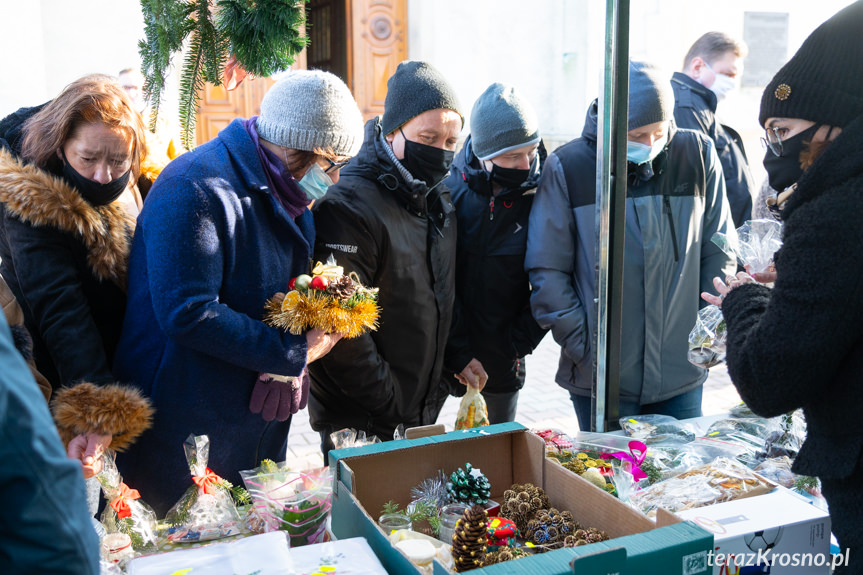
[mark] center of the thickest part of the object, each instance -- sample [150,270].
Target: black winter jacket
[695,109]
[399,237]
[492,321]
[801,343]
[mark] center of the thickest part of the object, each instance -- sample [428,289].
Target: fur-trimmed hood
[40,198]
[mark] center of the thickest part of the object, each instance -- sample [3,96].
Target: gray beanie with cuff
[309,110]
[651,98]
[501,120]
[416,87]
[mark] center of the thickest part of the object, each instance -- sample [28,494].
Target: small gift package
[707,338]
[755,243]
[283,499]
[329,300]
[207,510]
[472,411]
[126,513]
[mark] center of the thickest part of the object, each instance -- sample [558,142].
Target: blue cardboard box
[367,477]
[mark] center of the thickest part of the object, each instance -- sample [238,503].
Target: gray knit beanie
[651,98]
[501,120]
[311,109]
[416,87]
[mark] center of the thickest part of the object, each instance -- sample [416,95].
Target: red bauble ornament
[319,283]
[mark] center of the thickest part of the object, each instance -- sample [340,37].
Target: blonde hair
[96,98]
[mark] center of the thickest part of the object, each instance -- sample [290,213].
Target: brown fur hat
[120,410]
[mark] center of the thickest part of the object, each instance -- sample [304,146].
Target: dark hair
[712,46]
[91,99]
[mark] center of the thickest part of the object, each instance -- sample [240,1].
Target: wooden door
[379,41]
[218,107]
[361,41]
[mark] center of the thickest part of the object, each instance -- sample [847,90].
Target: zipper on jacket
[491,209]
[667,210]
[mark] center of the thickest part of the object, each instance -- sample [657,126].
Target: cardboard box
[775,533]
[367,477]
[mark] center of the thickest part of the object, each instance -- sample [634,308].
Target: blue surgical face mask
[639,153]
[315,183]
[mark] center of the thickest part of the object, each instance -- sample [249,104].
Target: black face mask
[512,178]
[426,163]
[783,171]
[95,193]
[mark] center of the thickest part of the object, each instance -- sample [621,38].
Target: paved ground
[542,403]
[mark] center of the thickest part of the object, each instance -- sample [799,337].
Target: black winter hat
[416,87]
[823,81]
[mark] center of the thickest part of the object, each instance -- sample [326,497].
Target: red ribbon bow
[637,451]
[207,481]
[120,504]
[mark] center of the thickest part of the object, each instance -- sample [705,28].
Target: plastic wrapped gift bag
[126,512]
[707,339]
[755,243]
[298,502]
[207,510]
[472,411]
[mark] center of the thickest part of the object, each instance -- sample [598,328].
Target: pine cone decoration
[342,288]
[521,504]
[469,539]
[469,486]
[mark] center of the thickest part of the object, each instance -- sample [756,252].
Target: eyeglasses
[335,166]
[771,140]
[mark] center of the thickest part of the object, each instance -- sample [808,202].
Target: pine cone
[342,288]
[469,539]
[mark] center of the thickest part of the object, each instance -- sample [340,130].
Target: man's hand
[473,375]
[89,449]
[319,344]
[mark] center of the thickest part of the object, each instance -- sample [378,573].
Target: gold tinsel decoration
[302,310]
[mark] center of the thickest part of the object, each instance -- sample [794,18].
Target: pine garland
[263,36]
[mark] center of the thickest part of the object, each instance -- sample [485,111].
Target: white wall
[49,43]
[552,50]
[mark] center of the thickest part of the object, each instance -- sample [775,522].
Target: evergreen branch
[166,24]
[264,35]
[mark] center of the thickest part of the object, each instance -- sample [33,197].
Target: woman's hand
[766,277]
[89,449]
[319,344]
[473,375]
[722,288]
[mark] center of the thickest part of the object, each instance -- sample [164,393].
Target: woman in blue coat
[223,229]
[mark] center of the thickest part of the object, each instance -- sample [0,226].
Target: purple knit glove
[279,396]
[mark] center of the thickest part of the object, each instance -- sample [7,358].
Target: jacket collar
[706,93]
[376,161]
[478,180]
[841,161]
[39,198]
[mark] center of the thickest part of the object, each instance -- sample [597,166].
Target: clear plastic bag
[125,511]
[722,480]
[349,437]
[707,338]
[207,510]
[472,411]
[653,428]
[294,501]
[755,243]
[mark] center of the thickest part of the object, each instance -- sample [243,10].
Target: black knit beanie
[416,87]
[823,81]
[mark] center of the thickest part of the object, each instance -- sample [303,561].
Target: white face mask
[639,153]
[722,85]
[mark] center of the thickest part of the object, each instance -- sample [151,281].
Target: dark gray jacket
[669,260]
[695,109]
